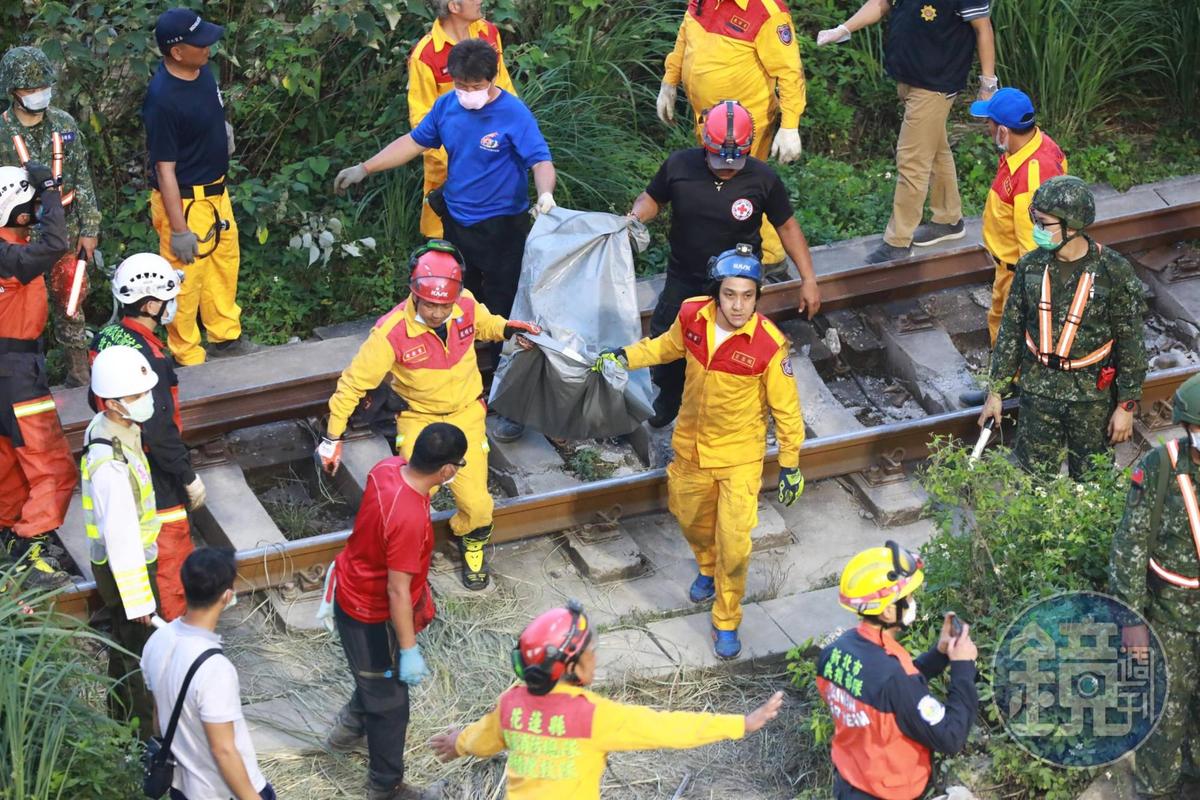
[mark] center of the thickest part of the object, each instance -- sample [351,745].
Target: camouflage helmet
[25,68]
[1067,198]
[1187,402]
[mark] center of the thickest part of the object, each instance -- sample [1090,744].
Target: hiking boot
[726,644]
[472,547]
[240,346]
[38,570]
[933,232]
[702,589]
[887,252]
[343,737]
[401,792]
[507,430]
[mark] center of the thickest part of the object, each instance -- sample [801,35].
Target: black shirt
[710,216]
[185,123]
[931,44]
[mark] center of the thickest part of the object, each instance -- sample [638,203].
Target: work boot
[79,371]
[344,737]
[39,570]
[931,233]
[472,547]
[726,644]
[507,430]
[887,252]
[703,588]
[240,346]
[401,792]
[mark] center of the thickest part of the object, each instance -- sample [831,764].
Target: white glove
[350,176]
[666,102]
[545,203]
[833,36]
[196,494]
[786,147]
[229,138]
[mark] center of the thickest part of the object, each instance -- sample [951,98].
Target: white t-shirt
[214,696]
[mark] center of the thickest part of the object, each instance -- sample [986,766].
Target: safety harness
[1057,356]
[202,194]
[56,159]
[1188,490]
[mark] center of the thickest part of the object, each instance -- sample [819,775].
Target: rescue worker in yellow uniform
[738,371]
[558,734]
[428,79]
[743,50]
[427,345]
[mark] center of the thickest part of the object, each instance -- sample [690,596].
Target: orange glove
[516,326]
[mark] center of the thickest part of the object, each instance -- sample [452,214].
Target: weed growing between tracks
[467,649]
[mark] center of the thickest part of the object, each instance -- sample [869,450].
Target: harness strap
[1190,504]
[56,160]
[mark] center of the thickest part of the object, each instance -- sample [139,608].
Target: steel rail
[535,515]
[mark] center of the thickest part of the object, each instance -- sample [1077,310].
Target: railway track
[219,412]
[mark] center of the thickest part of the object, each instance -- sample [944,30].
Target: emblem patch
[786,365]
[931,710]
[68,136]
[739,23]
[692,337]
[467,332]
[490,141]
[741,209]
[745,359]
[785,33]
[928,13]
[415,353]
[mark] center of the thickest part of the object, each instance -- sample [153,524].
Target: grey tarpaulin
[577,282]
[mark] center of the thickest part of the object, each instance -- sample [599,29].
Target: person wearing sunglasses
[1073,329]
[886,722]
[558,733]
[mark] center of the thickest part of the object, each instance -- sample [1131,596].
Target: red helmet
[549,645]
[436,272]
[728,135]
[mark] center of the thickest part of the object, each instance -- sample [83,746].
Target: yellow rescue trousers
[210,282]
[435,176]
[764,135]
[1000,286]
[717,508]
[469,487]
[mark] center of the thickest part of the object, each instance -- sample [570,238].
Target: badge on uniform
[931,710]
[785,33]
[68,137]
[786,365]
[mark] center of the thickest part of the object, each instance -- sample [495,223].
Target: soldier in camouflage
[1155,569]
[1072,328]
[27,130]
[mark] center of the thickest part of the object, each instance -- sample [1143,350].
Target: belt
[196,192]
[20,346]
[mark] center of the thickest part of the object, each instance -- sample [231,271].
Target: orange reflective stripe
[1189,495]
[1045,322]
[1083,290]
[22,150]
[1173,578]
[56,166]
[1070,364]
[1066,338]
[38,405]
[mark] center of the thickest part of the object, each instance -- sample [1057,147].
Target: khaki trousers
[924,165]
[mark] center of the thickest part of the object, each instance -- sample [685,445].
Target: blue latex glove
[411,665]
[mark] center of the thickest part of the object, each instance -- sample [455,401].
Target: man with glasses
[1073,328]
[381,601]
[427,347]
[886,723]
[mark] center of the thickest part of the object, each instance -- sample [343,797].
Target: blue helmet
[740,262]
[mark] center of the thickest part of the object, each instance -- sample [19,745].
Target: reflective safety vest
[1188,489]
[138,470]
[1057,356]
[56,161]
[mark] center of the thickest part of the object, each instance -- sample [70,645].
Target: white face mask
[1000,145]
[472,101]
[37,101]
[1194,436]
[910,613]
[141,409]
[168,314]
[232,602]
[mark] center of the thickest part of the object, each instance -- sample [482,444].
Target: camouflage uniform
[25,68]
[1172,611]
[1065,408]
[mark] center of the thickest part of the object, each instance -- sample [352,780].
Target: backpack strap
[1166,469]
[169,734]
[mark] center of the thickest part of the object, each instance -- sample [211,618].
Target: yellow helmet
[876,578]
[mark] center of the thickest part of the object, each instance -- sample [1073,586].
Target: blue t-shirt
[185,123]
[490,152]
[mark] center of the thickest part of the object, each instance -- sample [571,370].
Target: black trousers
[669,377]
[493,250]
[130,698]
[379,705]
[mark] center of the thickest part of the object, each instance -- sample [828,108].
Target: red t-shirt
[392,531]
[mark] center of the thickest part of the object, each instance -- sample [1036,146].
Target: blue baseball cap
[184,26]
[1009,107]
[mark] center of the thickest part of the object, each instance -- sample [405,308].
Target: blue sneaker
[726,644]
[702,589]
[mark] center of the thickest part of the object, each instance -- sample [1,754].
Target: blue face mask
[1044,239]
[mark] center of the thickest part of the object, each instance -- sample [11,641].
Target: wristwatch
[1129,405]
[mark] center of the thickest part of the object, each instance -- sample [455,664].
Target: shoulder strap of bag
[187,680]
[1165,470]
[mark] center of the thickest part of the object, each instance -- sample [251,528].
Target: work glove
[614,354]
[196,493]
[40,178]
[791,485]
[184,246]
[329,454]
[833,36]
[229,143]
[786,147]
[666,102]
[514,326]
[350,176]
[410,666]
[545,203]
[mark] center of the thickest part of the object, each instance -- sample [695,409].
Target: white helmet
[15,191]
[145,275]
[121,371]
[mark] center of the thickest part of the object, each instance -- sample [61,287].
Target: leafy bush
[56,741]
